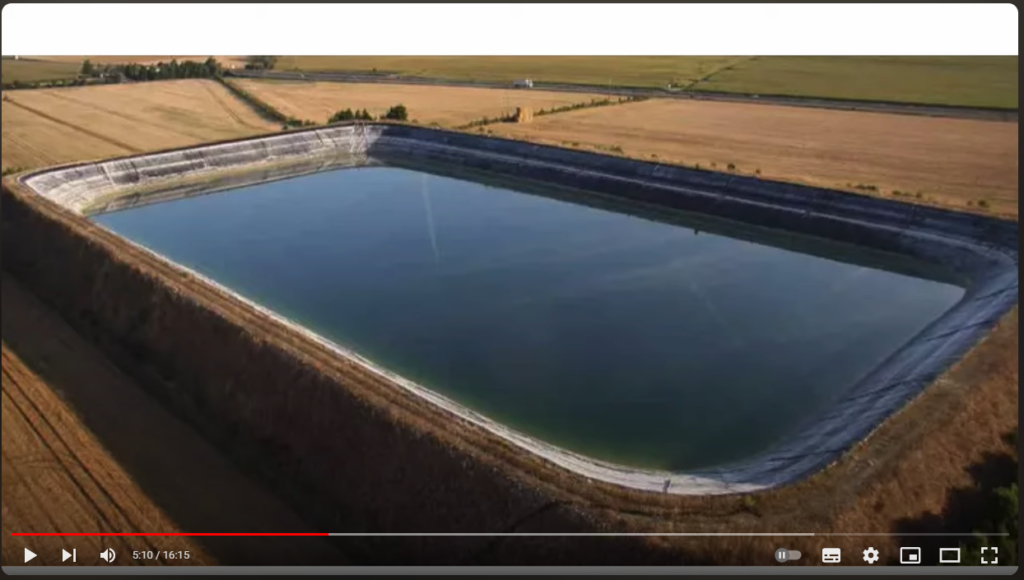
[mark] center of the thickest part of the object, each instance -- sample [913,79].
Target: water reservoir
[671,342]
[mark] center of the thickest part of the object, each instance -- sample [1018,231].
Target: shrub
[997,514]
[397,113]
[983,203]
[731,167]
[346,115]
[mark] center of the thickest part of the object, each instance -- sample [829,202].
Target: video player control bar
[489,570]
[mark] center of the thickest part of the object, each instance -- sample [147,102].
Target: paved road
[847,105]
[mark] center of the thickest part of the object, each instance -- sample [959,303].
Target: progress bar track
[780,570]
[523,534]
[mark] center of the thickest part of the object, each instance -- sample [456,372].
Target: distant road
[820,103]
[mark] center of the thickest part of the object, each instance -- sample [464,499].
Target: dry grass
[951,161]
[446,106]
[43,127]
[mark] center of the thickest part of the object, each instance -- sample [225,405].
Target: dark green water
[642,343]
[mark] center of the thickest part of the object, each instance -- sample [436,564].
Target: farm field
[49,126]
[960,81]
[640,71]
[953,162]
[29,71]
[139,59]
[50,459]
[446,106]
[86,450]
[936,80]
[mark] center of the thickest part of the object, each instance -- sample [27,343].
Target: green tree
[397,113]
[87,68]
[346,115]
[212,67]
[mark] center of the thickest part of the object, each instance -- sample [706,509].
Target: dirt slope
[84,450]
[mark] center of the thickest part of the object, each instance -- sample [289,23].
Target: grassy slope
[642,71]
[32,70]
[940,80]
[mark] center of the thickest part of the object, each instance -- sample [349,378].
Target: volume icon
[108,555]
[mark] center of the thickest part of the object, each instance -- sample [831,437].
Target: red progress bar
[162,534]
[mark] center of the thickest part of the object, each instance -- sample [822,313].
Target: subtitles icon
[831,555]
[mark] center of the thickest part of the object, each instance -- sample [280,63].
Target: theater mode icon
[830,555]
[949,555]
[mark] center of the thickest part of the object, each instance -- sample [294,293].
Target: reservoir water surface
[628,340]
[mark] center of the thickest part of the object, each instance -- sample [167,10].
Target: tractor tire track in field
[19,147]
[78,128]
[169,128]
[88,487]
[160,472]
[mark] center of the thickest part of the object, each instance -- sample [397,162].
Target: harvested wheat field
[953,162]
[86,450]
[48,126]
[58,478]
[446,106]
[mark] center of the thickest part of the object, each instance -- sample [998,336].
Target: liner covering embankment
[977,251]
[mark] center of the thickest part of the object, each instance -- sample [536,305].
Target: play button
[29,554]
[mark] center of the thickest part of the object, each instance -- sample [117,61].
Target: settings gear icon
[871,555]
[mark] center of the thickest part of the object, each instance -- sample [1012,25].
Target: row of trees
[187,69]
[396,113]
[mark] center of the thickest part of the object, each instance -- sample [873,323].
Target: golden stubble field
[952,162]
[446,106]
[49,126]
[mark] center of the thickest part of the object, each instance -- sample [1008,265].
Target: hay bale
[524,114]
